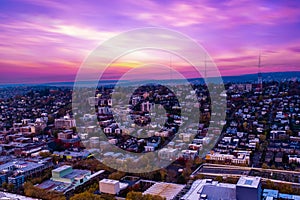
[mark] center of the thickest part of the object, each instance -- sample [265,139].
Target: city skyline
[47,41]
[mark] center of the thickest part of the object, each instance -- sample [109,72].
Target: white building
[146,106]
[241,158]
[109,186]
[167,153]
[294,159]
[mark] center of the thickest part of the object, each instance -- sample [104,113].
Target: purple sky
[43,41]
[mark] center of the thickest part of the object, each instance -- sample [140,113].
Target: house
[278,157]
[167,153]
[154,141]
[65,122]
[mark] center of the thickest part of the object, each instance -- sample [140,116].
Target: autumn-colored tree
[199,176]
[10,187]
[163,174]
[134,196]
[45,154]
[116,175]
[219,178]
[139,196]
[264,166]
[86,196]
[4,185]
[32,191]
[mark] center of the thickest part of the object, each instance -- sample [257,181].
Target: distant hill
[277,76]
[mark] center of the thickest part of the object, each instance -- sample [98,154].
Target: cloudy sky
[45,41]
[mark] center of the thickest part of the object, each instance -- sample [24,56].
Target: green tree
[181,179]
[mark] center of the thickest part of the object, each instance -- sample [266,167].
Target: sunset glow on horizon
[47,41]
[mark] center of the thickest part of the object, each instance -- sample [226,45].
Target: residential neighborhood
[46,145]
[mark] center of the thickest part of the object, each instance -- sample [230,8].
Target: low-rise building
[166,190]
[110,186]
[16,172]
[247,188]
[65,178]
[167,153]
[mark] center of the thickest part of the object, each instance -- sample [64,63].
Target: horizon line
[57,82]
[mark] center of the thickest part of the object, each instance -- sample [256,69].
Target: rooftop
[54,185]
[167,190]
[62,168]
[246,181]
[224,191]
[111,181]
[20,166]
[10,196]
[77,173]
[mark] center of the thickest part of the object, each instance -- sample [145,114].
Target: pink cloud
[52,37]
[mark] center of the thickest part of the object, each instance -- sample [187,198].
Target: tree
[32,191]
[10,187]
[199,176]
[28,189]
[262,137]
[163,174]
[152,197]
[198,160]
[269,184]
[264,166]
[134,196]
[45,154]
[219,178]
[116,175]
[4,185]
[139,196]
[86,196]
[273,167]
[181,179]
[289,132]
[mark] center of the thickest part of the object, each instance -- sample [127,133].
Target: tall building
[248,188]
